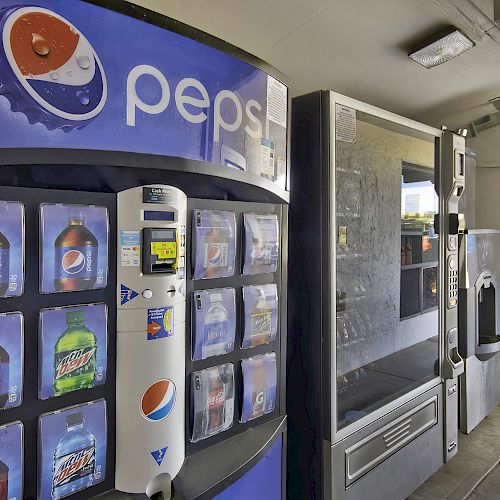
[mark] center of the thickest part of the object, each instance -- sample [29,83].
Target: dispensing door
[395,185]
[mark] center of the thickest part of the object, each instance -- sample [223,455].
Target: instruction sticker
[164,249]
[130,248]
[267,158]
[345,124]
[160,322]
[277,101]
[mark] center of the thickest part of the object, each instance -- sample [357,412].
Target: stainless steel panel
[400,473]
[371,451]
[479,391]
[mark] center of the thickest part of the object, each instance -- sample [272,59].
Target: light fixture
[443,49]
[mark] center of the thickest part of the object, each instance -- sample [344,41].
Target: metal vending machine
[479,341]
[373,343]
[143,258]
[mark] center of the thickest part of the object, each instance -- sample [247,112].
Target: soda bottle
[4,481]
[260,320]
[4,264]
[74,459]
[4,377]
[216,246]
[75,356]
[215,331]
[76,251]
[259,389]
[215,402]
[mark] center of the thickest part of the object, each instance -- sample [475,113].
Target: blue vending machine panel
[268,472]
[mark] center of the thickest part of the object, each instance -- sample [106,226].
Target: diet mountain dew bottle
[75,356]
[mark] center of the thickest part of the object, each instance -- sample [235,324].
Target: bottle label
[216,333]
[259,400]
[73,466]
[261,323]
[4,265]
[75,363]
[76,262]
[215,405]
[216,254]
[4,379]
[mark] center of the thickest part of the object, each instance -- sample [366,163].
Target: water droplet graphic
[83,62]
[54,75]
[26,21]
[83,98]
[40,44]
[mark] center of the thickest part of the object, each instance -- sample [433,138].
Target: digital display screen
[163,234]
[156,215]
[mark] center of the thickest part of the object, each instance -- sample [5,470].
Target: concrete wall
[488,197]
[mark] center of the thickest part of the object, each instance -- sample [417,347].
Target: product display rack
[30,304]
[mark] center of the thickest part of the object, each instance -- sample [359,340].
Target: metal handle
[453,362]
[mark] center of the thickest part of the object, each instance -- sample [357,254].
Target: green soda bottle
[75,356]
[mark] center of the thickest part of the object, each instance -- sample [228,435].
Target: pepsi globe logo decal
[56,65]
[158,400]
[73,262]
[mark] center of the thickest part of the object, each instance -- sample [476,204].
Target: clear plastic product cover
[259,386]
[261,314]
[11,360]
[74,247]
[11,248]
[73,349]
[214,236]
[214,325]
[72,449]
[261,243]
[213,400]
[11,461]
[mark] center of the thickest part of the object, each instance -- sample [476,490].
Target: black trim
[232,184]
[165,22]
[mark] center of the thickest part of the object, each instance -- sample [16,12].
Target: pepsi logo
[73,262]
[54,63]
[214,254]
[158,400]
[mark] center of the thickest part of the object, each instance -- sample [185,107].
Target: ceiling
[359,48]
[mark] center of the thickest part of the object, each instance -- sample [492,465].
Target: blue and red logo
[56,65]
[158,400]
[73,261]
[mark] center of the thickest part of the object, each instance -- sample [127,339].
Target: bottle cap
[76,213]
[74,419]
[63,88]
[75,317]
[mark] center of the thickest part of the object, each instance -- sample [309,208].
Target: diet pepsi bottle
[4,377]
[75,356]
[74,459]
[76,251]
[4,264]
[4,481]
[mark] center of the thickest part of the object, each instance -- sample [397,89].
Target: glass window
[387,265]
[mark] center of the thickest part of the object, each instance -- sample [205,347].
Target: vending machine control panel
[159,250]
[151,315]
[452,185]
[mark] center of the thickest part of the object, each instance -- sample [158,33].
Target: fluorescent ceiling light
[444,49]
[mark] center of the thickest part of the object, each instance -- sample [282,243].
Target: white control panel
[151,309]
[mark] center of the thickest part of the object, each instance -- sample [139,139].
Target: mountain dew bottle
[75,356]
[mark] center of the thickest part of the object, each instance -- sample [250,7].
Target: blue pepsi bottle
[74,459]
[4,264]
[76,251]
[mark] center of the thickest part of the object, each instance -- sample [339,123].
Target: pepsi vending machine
[143,258]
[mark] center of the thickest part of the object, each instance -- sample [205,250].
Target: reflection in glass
[387,258]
